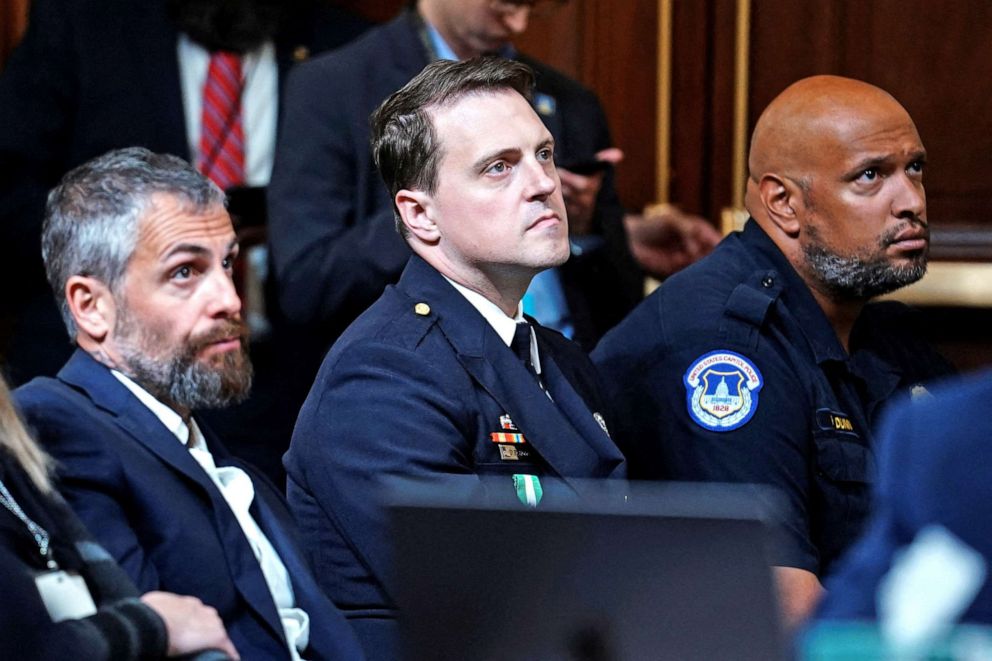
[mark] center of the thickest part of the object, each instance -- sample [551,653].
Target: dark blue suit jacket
[933,459]
[418,394]
[145,499]
[333,243]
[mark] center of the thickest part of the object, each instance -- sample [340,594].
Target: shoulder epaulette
[748,305]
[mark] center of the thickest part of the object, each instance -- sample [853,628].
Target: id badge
[65,595]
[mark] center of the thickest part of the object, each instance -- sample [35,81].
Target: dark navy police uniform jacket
[422,386]
[934,457]
[731,372]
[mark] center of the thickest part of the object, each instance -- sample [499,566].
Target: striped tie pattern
[222,140]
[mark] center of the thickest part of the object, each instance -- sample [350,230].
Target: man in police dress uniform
[763,363]
[443,377]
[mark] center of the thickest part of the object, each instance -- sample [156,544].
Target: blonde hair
[16,440]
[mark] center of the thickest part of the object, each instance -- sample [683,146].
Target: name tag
[835,421]
[65,595]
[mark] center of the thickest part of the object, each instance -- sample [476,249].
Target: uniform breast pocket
[842,457]
[839,503]
[507,459]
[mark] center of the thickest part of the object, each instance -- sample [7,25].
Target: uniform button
[767,281]
[422,309]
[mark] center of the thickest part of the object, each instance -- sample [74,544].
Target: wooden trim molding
[664,115]
[732,219]
[742,59]
[950,284]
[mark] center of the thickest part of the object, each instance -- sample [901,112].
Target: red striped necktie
[222,139]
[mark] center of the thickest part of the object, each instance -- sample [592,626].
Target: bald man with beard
[766,362]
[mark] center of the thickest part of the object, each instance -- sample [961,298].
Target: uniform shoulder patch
[721,389]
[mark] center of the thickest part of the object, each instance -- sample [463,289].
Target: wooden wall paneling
[791,40]
[691,104]
[619,61]
[703,80]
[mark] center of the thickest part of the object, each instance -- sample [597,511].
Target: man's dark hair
[404,143]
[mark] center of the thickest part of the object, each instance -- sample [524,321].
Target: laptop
[620,572]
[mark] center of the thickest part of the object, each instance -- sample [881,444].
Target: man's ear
[783,201]
[92,306]
[417,211]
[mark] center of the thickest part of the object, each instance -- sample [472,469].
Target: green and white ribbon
[529,489]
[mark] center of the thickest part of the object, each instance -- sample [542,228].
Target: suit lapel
[577,412]
[106,392]
[245,568]
[274,524]
[274,520]
[546,425]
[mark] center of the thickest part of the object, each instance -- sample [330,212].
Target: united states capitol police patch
[721,390]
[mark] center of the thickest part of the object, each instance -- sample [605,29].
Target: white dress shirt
[259,103]
[239,492]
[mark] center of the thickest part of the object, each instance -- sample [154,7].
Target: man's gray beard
[182,379]
[859,278]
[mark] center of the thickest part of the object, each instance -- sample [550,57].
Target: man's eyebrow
[196,249]
[870,162]
[496,154]
[192,248]
[509,152]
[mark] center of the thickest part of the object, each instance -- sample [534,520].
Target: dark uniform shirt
[731,372]
[933,497]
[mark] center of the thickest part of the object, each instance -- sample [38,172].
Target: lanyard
[40,535]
